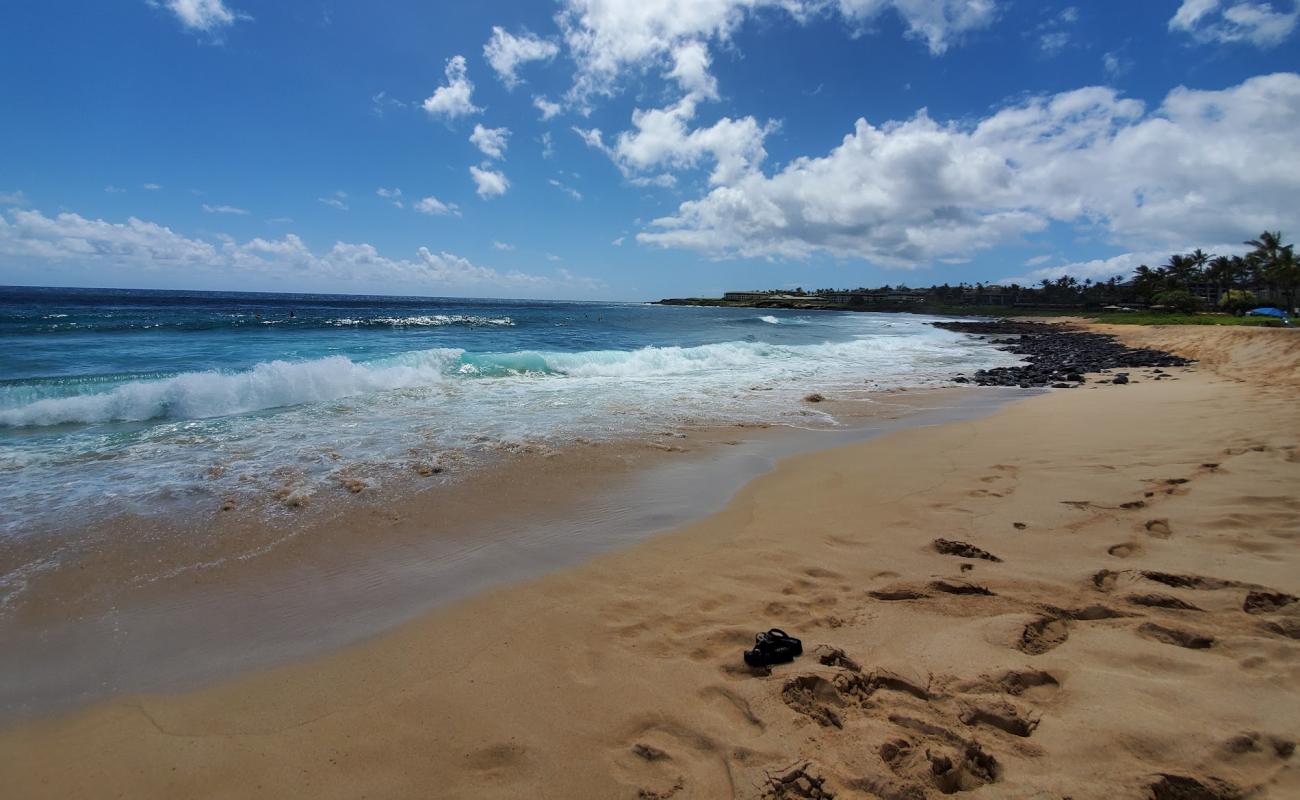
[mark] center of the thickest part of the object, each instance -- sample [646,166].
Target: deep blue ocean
[132,400]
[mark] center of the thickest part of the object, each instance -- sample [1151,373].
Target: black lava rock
[1055,355]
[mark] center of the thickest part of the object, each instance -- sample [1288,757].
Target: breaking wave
[275,384]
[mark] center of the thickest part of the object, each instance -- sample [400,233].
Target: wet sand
[1131,634]
[173,603]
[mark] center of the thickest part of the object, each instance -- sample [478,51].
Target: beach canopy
[1267,312]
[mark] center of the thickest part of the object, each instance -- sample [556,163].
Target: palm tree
[1146,282]
[1274,264]
[1220,270]
[1182,269]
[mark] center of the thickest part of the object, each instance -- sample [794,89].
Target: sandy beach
[1123,624]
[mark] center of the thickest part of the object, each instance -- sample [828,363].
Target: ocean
[146,402]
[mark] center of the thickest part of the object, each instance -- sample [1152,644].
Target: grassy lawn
[1141,318]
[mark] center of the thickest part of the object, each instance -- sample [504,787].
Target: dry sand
[1112,652]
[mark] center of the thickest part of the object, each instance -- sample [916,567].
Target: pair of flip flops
[774,647]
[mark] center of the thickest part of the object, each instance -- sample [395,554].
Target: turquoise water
[128,400]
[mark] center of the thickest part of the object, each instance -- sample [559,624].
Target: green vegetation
[1179,292]
[1156,318]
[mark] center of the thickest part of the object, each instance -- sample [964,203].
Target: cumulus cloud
[13,198]
[491,141]
[206,16]
[545,106]
[1227,22]
[505,52]
[434,207]
[662,139]
[98,244]
[488,182]
[455,99]
[1202,166]
[502,246]
[607,37]
[394,195]
[938,23]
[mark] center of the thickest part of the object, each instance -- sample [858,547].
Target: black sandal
[774,647]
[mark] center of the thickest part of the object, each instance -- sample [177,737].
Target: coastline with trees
[1188,287]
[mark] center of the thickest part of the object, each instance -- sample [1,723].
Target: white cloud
[1203,166]
[548,145]
[1227,22]
[151,187]
[395,195]
[505,52]
[569,190]
[13,198]
[225,210]
[618,242]
[502,246]
[489,182]
[1115,64]
[435,207]
[553,257]
[97,244]
[545,106]
[1053,42]
[456,98]
[662,140]
[691,69]
[382,102]
[110,189]
[1098,269]
[202,15]
[607,37]
[939,23]
[337,200]
[1053,34]
[1036,260]
[491,141]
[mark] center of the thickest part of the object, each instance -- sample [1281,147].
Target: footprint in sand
[890,593]
[1182,787]
[949,767]
[1125,550]
[1157,600]
[951,587]
[802,781]
[1159,528]
[1001,715]
[1043,634]
[1258,602]
[1174,636]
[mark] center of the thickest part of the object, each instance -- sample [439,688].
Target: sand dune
[1135,634]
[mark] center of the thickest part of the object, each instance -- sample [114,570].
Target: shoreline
[169,607]
[620,676]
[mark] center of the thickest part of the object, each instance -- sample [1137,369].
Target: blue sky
[635,149]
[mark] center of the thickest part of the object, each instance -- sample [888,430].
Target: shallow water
[147,402]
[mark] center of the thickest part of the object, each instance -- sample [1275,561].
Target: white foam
[196,395]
